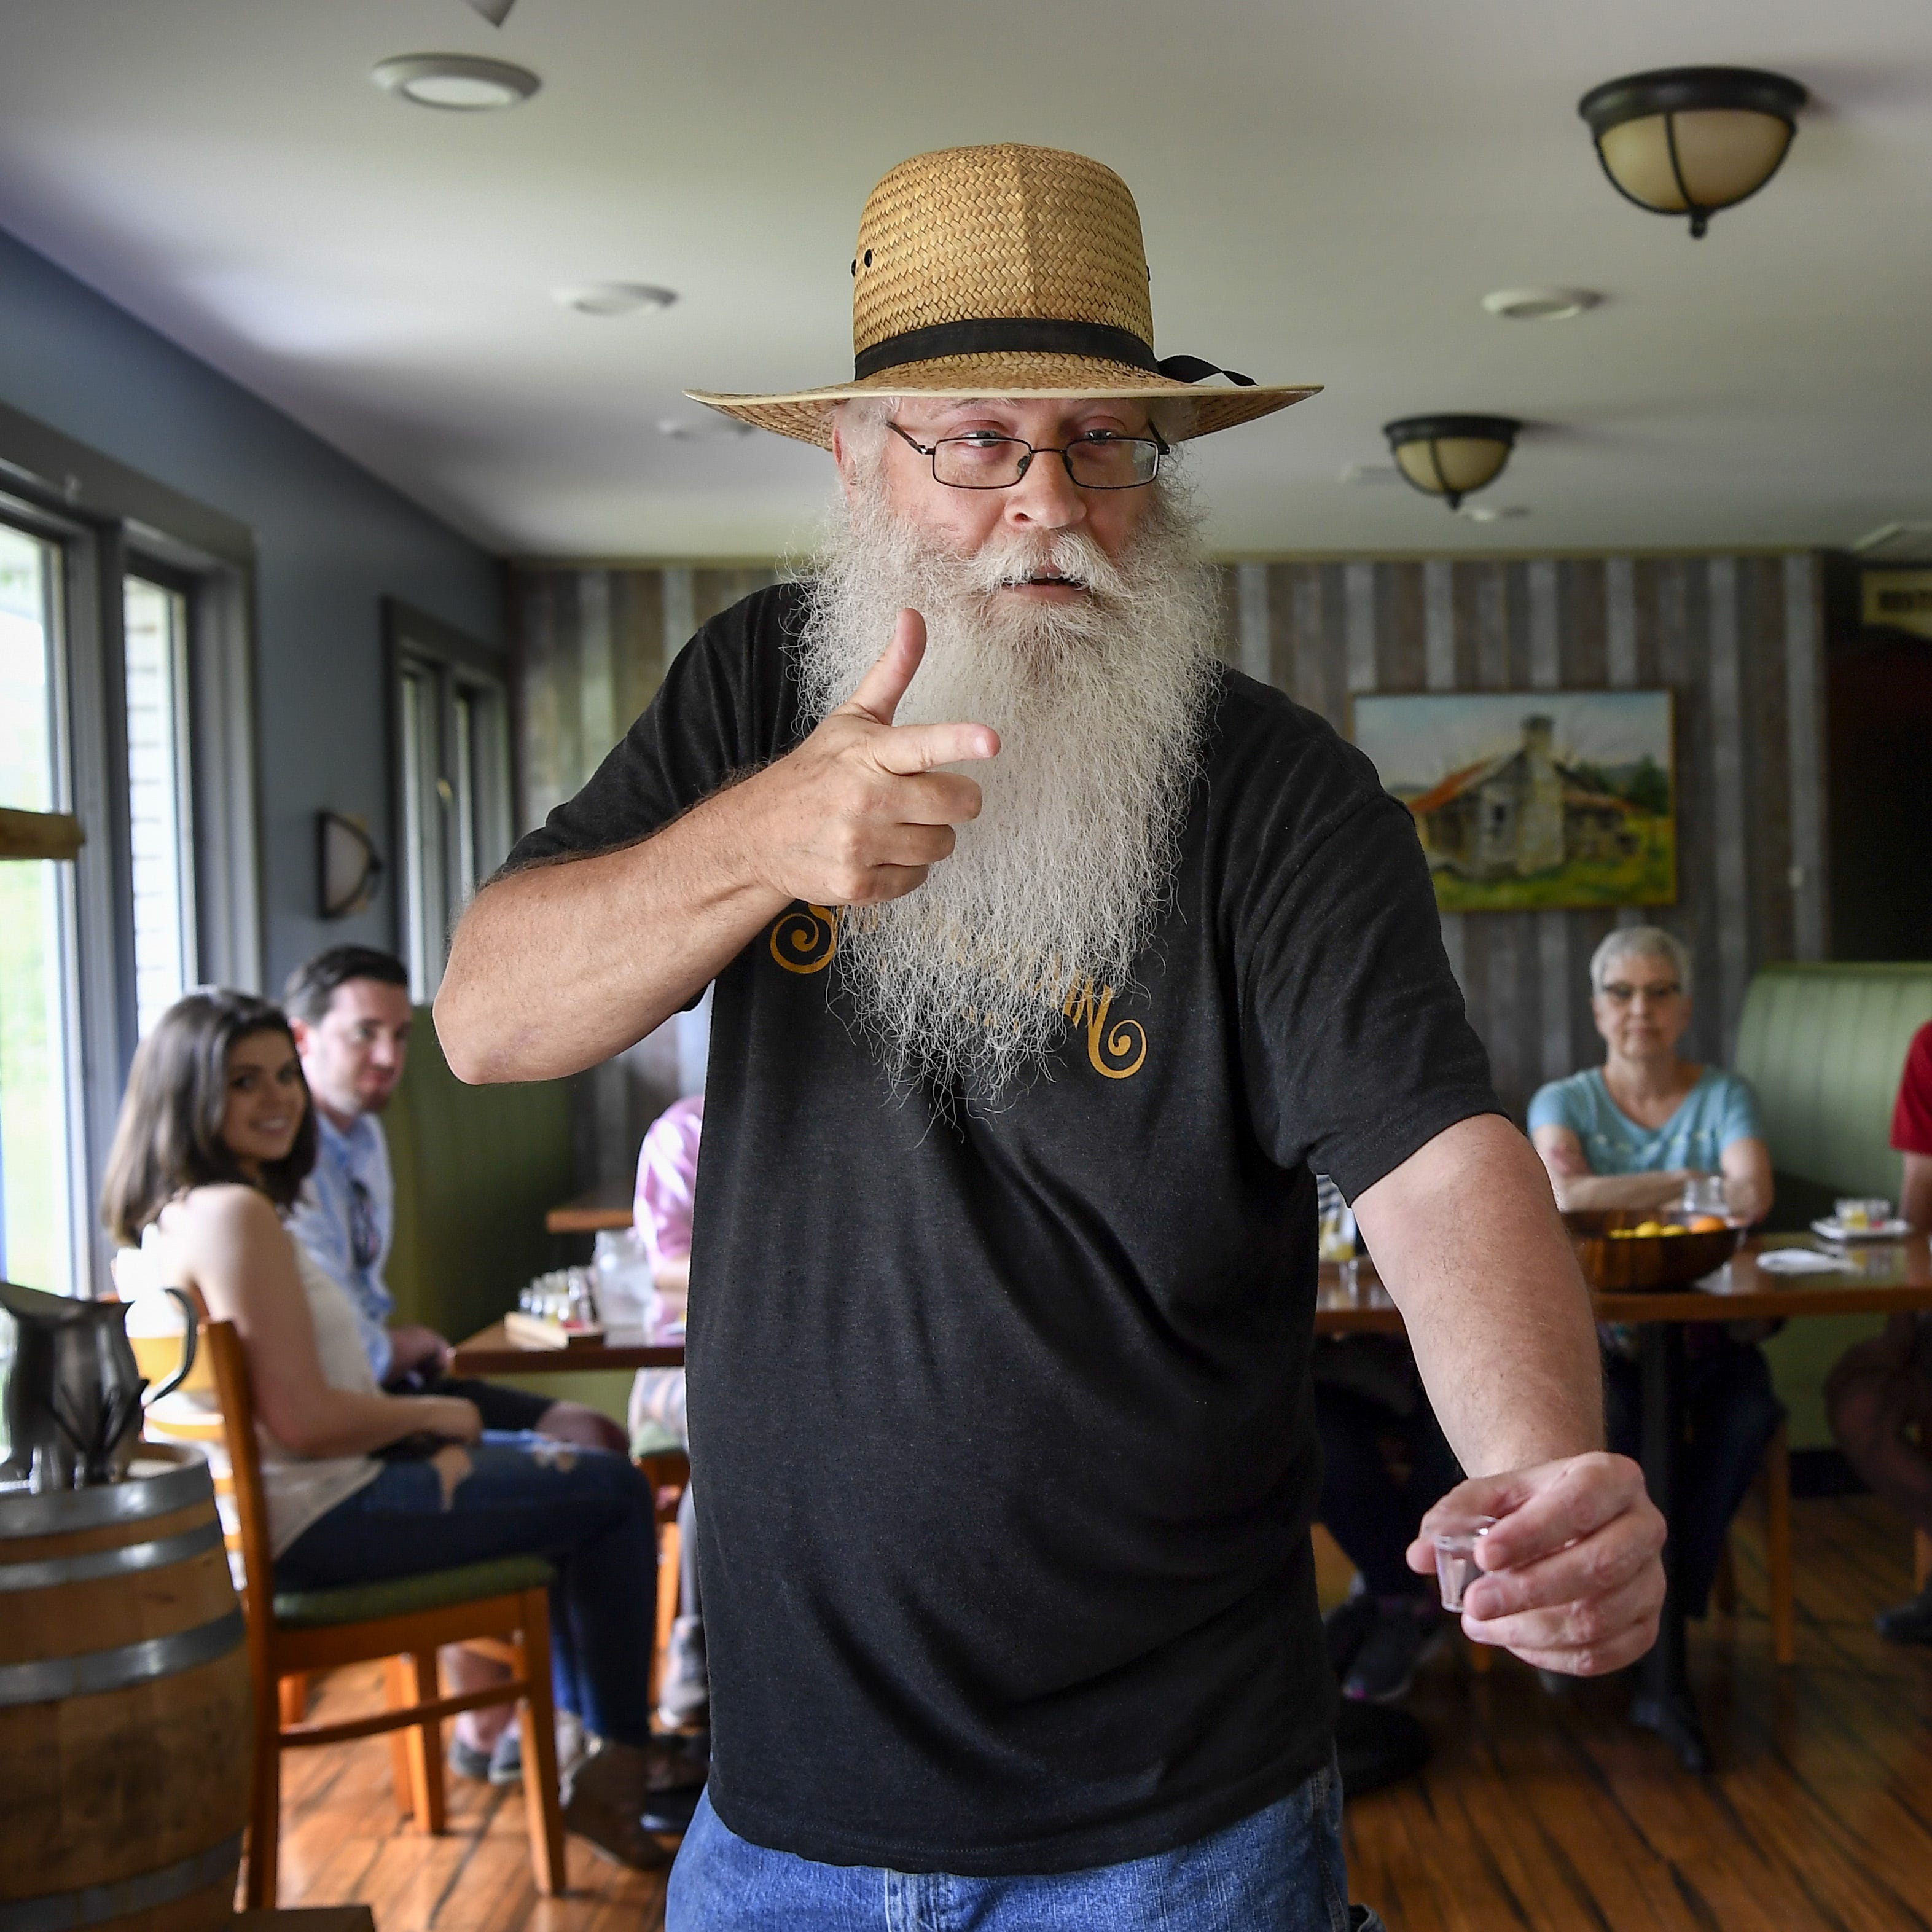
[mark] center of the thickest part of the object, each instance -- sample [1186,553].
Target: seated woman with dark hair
[216,1136]
[1632,1133]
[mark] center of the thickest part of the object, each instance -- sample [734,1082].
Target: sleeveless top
[299,1490]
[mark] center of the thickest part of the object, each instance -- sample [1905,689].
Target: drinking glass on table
[1704,1194]
[1857,1216]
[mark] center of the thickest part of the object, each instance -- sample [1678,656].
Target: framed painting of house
[1530,800]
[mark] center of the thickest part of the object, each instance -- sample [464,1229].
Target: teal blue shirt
[1720,1109]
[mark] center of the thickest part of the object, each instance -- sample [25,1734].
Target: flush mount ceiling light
[1541,304]
[613,297]
[1449,456]
[460,83]
[1690,140]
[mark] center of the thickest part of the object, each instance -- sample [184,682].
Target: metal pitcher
[73,1396]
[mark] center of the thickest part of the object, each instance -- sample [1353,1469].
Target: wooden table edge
[489,1352]
[1805,1296]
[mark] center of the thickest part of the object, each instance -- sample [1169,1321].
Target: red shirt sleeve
[1912,1119]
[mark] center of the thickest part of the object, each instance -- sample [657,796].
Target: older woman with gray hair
[1631,1133]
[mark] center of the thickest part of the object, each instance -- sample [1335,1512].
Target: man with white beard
[1050,956]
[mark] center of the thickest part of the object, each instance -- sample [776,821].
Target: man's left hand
[415,1350]
[1573,1574]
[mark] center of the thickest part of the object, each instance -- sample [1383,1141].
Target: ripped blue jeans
[588,1511]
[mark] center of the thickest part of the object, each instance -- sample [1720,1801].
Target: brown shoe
[603,1801]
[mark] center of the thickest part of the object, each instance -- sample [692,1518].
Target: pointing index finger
[909,749]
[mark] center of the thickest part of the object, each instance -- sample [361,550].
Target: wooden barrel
[124,1705]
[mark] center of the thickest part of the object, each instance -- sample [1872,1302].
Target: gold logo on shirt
[1116,1048]
[805,939]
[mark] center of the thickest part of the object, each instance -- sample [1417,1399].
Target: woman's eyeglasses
[1618,994]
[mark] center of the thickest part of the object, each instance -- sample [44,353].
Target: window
[160,817]
[127,813]
[37,1057]
[452,779]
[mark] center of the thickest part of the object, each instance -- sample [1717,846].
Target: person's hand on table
[415,1350]
[1574,1573]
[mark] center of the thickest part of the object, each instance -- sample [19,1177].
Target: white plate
[1894,1230]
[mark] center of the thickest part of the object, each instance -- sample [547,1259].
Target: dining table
[1877,1277]
[491,1351]
[609,1204]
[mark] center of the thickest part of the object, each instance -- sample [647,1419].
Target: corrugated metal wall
[1737,638]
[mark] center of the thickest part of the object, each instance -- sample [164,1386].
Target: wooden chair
[1774,1471]
[501,1608]
[667,1470]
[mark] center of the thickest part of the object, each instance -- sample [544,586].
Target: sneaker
[506,1760]
[670,1812]
[573,1744]
[684,1697]
[604,1800]
[1346,1627]
[501,1765]
[1385,1667]
[1909,1623]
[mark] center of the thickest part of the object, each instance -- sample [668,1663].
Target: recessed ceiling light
[1491,513]
[463,83]
[1541,304]
[613,297]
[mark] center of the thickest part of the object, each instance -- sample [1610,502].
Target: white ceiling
[1327,191]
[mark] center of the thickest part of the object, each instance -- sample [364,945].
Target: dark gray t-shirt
[1004,1453]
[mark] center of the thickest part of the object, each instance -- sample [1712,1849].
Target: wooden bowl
[1644,1264]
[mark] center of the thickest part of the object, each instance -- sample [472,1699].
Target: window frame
[453,666]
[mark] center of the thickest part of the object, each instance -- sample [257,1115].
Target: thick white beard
[1099,707]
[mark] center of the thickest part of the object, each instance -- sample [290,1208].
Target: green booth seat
[477,1168]
[408,1596]
[1824,1045]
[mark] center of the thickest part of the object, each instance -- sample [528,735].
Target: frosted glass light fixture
[1449,456]
[1690,140]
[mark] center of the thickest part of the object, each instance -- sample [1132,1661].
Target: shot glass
[1456,1567]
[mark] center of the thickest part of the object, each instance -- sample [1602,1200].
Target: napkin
[1797,1261]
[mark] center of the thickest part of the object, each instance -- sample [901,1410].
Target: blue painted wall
[331,541]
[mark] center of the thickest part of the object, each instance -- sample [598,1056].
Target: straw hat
[1006,271]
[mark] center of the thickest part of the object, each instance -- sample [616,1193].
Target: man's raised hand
[860,813]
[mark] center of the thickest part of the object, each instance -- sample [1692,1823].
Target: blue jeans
[588,1511]
[1278,1871]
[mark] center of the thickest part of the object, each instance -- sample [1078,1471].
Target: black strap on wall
[1038,334]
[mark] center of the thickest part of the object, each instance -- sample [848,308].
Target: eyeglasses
[1099,460]
[365,1238]
[1618,994]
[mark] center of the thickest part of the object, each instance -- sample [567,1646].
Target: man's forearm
[1465,1238]
[1588,1192]
[556,967]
